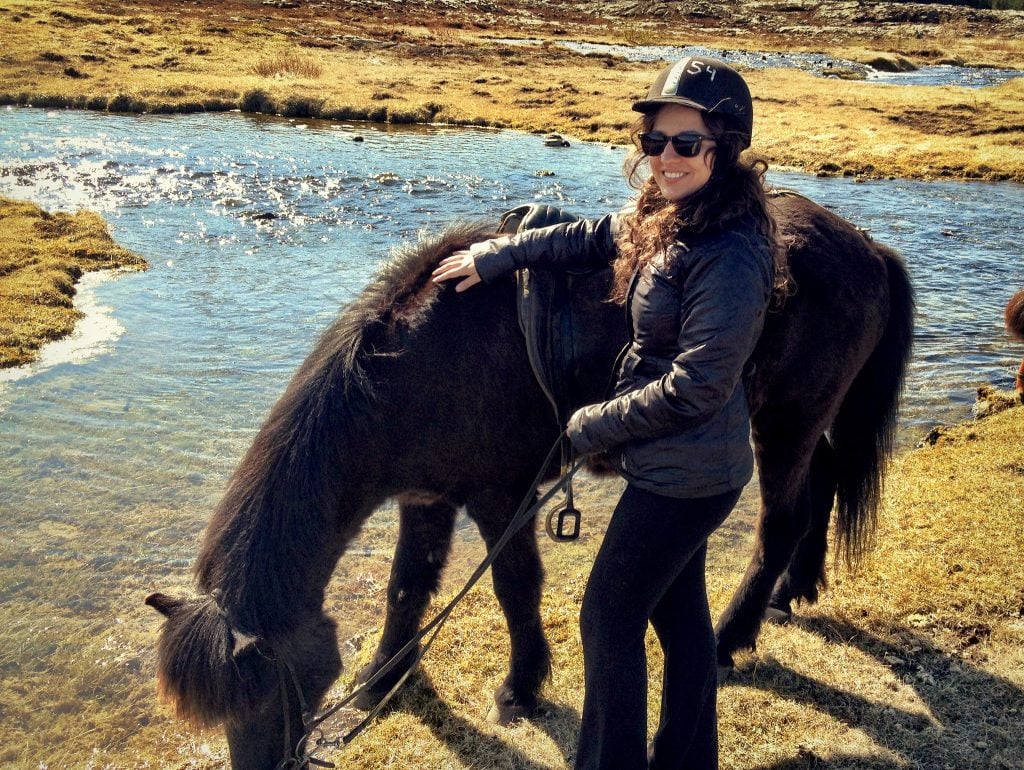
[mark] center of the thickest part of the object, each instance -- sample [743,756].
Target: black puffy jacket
[678,424]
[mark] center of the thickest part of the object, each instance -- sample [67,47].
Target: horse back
[820,335]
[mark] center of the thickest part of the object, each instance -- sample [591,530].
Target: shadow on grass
[562,725]
[470,744]
[961,716]
[971,718]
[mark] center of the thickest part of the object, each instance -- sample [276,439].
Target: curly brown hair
[735,191]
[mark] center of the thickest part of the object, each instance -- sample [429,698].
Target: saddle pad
[545,315]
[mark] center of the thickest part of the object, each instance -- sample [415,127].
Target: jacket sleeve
[724,299]
[586,243]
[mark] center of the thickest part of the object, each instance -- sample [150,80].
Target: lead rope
[302,754]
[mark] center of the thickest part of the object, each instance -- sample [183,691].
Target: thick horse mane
[256,565]
[281,500]
[401,293]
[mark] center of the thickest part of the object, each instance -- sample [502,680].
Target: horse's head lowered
[214,673]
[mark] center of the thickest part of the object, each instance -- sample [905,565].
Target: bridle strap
[288,757]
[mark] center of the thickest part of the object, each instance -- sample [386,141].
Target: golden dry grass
[288,63]
[413,67]
[41,257]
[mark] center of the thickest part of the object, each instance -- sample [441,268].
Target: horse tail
[863,432]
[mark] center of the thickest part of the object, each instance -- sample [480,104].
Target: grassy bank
[42,255]
[415,63]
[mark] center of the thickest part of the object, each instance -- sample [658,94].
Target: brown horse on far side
[1014,318]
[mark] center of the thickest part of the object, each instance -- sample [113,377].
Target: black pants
[651,568]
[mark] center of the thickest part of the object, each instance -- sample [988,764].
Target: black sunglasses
[686,144]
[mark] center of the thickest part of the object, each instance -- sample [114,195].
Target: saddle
[545,316]
[546,320]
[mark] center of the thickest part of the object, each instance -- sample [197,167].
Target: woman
[695,262]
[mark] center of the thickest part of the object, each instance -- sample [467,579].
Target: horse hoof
[367,700]
[507,714]
[777,615]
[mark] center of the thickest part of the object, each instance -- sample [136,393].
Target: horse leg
[784,518]
[806,571]
[424,537]
[517,575]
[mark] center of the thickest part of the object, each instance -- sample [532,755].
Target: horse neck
[289,510]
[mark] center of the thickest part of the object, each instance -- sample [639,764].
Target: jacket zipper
[629,334]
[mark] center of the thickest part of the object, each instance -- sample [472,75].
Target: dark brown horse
[1014,318]
[426,396]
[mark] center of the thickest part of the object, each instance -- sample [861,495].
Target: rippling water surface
[258,230]
[113,449]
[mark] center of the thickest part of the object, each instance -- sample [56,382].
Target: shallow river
[816,63]
[114,447]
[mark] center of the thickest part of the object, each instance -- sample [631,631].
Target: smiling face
[678,177]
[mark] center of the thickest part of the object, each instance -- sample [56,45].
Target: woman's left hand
[461,264]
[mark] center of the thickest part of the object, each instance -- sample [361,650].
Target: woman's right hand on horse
[461,264]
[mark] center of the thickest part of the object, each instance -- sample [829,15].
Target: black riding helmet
[705,84]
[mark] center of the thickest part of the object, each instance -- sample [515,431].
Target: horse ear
[164,604]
